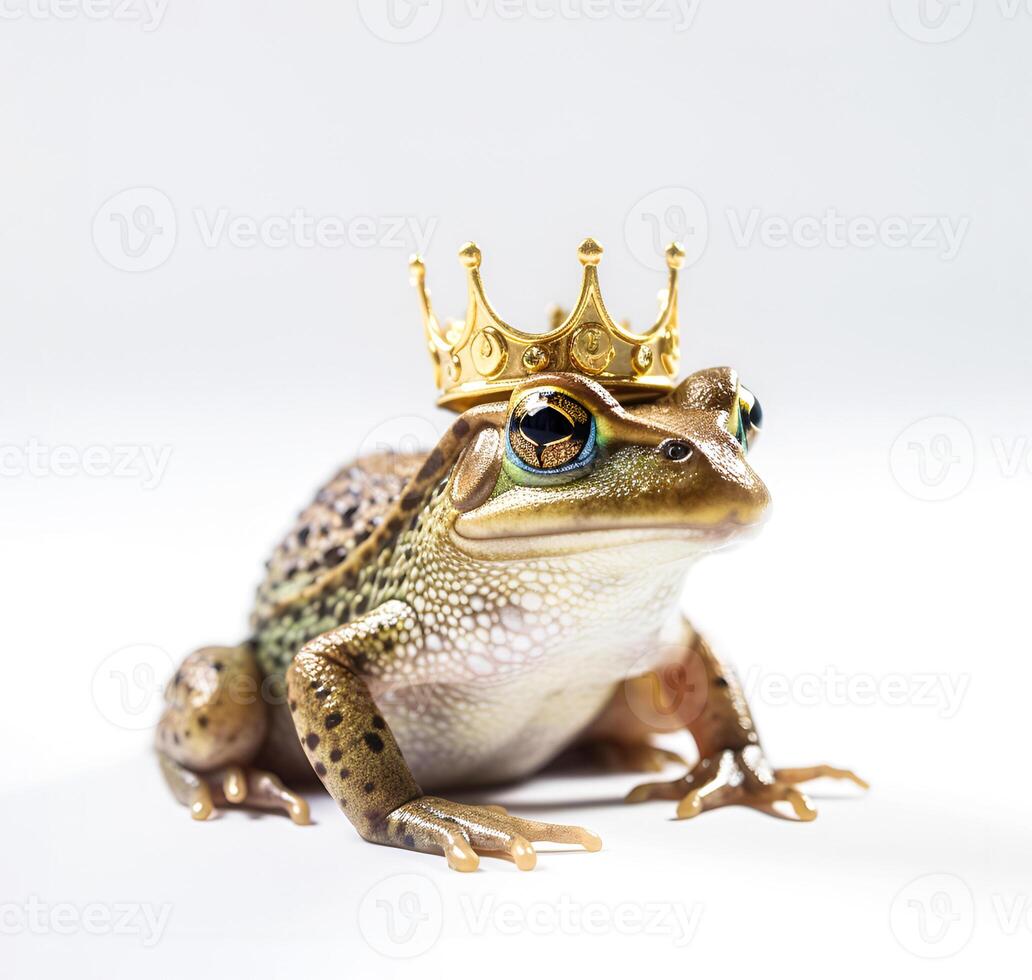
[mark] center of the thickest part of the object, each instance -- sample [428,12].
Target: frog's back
[345,512]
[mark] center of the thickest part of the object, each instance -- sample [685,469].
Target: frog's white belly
[500,696]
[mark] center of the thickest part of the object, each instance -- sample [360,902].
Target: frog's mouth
[682,541]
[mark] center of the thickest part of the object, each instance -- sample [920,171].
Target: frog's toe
[232,785]
[464,831]
[742,778]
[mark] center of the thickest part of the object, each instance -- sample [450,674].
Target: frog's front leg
[359,762]
[732,767]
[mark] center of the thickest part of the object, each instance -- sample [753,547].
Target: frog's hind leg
[214,724]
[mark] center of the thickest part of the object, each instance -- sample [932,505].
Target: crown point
[675,256]
[469,255]
[417,270]
[589,252]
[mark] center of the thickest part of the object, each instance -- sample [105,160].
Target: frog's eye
[550,434]
[750,418]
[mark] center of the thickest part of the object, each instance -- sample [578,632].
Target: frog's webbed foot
[231,785]
[464,831]
[742,777]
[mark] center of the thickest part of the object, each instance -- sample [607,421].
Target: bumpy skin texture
[448,620]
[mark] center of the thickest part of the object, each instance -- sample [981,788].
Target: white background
[802,150]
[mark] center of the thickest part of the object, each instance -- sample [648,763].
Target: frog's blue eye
[550,434]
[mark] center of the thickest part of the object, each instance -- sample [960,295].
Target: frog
[460,618]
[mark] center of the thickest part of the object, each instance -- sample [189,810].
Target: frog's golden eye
[550,433]
[750,418]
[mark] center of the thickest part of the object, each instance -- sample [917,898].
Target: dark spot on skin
[333,719]
[721,682]
[460,428]
[175,738]
[349,515]
[218,665]
[411,500]
[315,685]
[293,706]
[373,741]
[395,524]
[178,679]
[361,536]
[334,556]
[322,693]
[431,466]
[335,755]
[320,769]
[302,536]
[374,818]
[345,772]
[311,740]
[409,841]
[378,722]
[186,733]
[368,787]
[202,720]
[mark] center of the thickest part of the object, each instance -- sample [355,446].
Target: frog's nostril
[675,450]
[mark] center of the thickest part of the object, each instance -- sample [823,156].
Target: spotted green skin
[345,511]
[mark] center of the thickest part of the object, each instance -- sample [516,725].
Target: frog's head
[564,467]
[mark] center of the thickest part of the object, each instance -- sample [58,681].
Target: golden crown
[482,358]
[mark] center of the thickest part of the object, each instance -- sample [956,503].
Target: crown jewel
[482,358]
